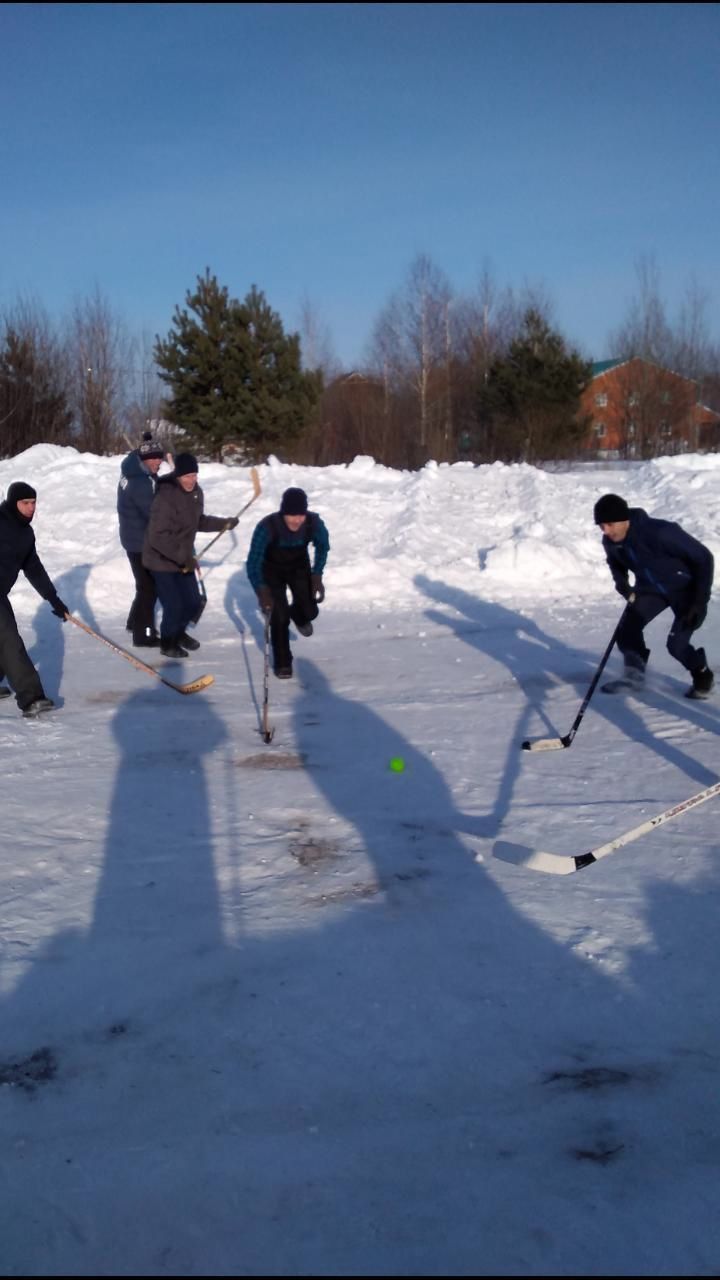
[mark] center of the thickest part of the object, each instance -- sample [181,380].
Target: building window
[631,430]
[601,400]
[599,429]
[665,397]
[633,399]
[665,427]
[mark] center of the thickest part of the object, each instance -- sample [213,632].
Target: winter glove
[58,608]
[232,522]
[265,599]
[626,591]
[695,615]
[318,589]
[189,568]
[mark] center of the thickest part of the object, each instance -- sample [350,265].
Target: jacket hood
[132,467]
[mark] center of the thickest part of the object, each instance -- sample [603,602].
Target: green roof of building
[602,366]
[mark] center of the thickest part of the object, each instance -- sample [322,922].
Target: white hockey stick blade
[520,856]
[556,864]
[544,744]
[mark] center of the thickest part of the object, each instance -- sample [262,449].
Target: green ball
[397,764]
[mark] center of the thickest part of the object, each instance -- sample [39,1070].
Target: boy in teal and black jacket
[278,560]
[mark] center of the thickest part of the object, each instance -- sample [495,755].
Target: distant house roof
[602,366]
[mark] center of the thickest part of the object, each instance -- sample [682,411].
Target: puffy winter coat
[175,517]
[18,554]
[665,560]
[135,494]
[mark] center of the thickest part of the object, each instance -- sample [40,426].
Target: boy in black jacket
[18,555]
[672,570]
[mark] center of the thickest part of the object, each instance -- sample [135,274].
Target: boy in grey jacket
[176,515]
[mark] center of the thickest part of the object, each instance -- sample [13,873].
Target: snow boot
[703,680]
[37,707]
[306,629]
[283,673]
[171,648]
[189,642]
[632,678]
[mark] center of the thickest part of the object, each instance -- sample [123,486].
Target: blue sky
[314,150]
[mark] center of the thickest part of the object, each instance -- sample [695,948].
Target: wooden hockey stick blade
[556,864]
[192,686]
[545,744]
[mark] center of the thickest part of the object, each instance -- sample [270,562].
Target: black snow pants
[141,618]
[14,660]
[631,642]
[288,568]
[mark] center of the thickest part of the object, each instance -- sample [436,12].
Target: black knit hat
[294,503]
[186,464]
[19,491]
[610,509]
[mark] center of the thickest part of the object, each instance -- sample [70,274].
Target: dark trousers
[631,642]
[141,618]
[14,660]
[301,609]
[180,598]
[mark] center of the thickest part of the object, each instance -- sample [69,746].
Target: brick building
[641,410]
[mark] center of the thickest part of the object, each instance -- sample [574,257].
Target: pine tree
[532,395]
[234,374]
[33,399]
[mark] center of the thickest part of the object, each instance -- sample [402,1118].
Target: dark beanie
[294,503]
[19,491]
[610,509]
[186,464]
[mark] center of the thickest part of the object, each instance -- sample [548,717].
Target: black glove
[265,599]
[318,589]
[58,608]
[232,522]
[626,591]
[695,615]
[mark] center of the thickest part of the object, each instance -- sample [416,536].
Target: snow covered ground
[279,1010]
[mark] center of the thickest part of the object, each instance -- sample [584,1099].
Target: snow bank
[506,532]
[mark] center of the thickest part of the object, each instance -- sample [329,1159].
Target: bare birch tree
[100,356]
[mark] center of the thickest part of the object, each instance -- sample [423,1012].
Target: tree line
[485,376]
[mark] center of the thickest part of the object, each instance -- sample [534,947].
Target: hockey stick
[267,732]
[256,494]
[203,597]
[555,744]
[193,686]
[557,865]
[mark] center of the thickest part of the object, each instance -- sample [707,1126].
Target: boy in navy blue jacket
[278,559]
[671,570]
[135,494]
